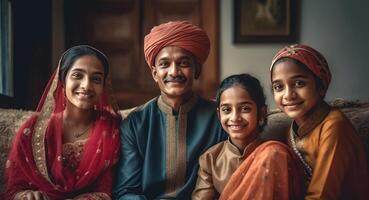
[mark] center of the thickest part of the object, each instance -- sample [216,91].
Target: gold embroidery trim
[38,138]
[176,145]
[186,107]
[181,151]
[170,188]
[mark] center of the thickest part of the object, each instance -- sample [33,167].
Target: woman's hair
[76,52]
[318,81]
[247,82]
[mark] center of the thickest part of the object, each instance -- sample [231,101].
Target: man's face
[174,72]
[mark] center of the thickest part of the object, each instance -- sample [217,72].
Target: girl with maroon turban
[322,137]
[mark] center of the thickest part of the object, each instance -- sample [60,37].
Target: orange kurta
[331,147]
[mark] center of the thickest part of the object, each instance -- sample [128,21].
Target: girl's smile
[238,115]
[294,89]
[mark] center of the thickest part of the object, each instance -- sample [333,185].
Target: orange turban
[179,34]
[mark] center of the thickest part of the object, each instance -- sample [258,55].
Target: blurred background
[34,34]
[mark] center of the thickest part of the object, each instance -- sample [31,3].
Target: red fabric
[270,172]
[180,34]
[310,57]
[94,173]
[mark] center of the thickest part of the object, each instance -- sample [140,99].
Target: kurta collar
[315,118]
[185,108]
[248,149]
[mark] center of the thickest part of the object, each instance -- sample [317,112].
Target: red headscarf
[308,56]
[34,161]
[179,34]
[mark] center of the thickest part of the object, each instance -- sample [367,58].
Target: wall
[31,51]
[337,28]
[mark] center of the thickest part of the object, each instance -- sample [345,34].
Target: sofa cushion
[10,120]
[278,123]
[356,112]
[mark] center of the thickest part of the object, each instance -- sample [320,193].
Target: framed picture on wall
[265,21]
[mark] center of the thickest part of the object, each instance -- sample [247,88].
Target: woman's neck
[73,115]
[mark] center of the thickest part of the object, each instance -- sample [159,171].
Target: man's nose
[174,69]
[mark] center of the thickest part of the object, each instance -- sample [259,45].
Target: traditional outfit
[40,161]
[161,147]
[327,143]
[331,148]
[262,171]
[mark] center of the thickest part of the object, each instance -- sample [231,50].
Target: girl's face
[84,82]
[238,115]
[295,90]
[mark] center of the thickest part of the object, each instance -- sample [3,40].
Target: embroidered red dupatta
[35,160]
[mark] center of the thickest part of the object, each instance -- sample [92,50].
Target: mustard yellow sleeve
[204,189]
[335,148]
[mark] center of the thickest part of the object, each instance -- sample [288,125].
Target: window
[6,65]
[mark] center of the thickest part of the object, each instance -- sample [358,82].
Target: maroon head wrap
[179,34]
[310,57]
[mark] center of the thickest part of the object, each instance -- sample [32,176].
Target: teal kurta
[161,148]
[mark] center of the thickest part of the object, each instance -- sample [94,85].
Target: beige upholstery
[358,113]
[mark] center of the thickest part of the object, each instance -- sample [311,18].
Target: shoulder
[24,133]
[30,122]
[336,115]
[206,104]
[212,153]
[128,114]
[336,130]
[336,122]
[204,109]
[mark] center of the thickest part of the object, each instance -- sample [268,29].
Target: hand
[30,195]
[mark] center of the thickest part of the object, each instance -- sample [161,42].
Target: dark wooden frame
[268,36]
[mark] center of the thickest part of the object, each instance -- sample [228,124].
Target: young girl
[260,170]
[321,136]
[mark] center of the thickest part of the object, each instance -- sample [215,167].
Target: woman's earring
[65,98]
[95,107]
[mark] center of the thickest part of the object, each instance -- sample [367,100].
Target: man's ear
[197,70]
[154,73]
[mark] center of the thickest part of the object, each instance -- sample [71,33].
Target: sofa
[278,122]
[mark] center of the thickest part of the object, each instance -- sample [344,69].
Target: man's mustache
[174,79]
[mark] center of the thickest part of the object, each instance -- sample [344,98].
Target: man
[163,139]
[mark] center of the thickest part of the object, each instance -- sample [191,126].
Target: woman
[68,148]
